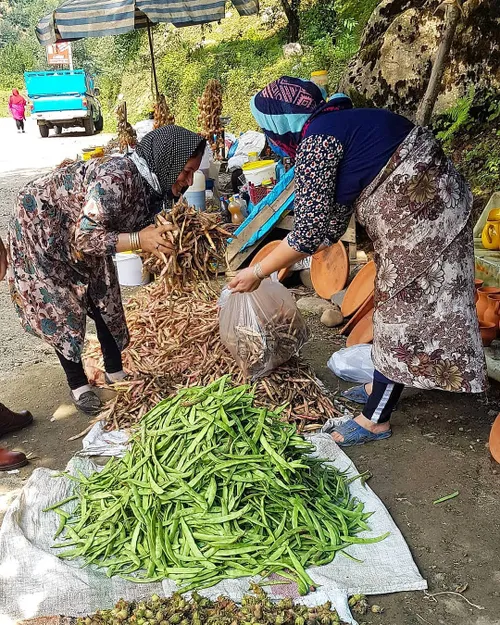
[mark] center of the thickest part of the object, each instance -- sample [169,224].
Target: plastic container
[130,271]
[256,173]
[195,195]
[235,209]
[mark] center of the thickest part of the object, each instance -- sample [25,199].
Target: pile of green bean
[212,488]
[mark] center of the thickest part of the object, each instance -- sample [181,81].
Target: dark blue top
[369,137]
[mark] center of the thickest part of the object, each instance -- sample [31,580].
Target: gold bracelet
[134,241]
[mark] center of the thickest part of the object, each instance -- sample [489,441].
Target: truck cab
[64,99]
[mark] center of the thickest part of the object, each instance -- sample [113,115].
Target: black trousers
[74,371]
[20,124]
[383,399]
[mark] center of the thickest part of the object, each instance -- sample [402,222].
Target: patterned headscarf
[283,108]
[166,151]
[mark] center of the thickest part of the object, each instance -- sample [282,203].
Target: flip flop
[356,394]
[354,434]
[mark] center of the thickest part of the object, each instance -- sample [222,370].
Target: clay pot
[360,289]
[488,332]
[482,303]
[330,270]
[492,313]
[494,442]
[478,284]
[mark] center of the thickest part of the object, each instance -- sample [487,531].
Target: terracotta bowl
[363,331]
[488,332]
[330,270]
[263,252]
[365,307]
[494,442]
[478,283]
[360,288]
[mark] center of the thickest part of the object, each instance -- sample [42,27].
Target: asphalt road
[29,152]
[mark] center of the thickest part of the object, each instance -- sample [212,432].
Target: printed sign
[59,54]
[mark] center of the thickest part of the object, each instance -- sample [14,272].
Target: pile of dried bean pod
[127,136]
[199,241]
[162,113]
[175,342]
[274,341]
[209,118]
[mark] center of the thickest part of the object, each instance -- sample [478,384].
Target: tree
[453,11]
[291,9]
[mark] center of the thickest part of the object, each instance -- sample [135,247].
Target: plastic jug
[195,195]
[491,231]
[235,209]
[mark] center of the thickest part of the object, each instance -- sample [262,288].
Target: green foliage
[457,117]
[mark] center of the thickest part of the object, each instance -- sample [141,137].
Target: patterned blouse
[318,218]
[62,236]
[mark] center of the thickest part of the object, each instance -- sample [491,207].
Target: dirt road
[438,445]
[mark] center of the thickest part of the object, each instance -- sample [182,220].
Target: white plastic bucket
[130,271]
[259,171]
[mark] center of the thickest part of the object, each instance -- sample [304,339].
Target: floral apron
[418,214]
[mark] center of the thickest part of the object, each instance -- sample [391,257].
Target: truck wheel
[58,130]
[88,124]
[44,130]
[99,123]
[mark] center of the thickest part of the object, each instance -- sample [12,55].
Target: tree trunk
[291,9]
[426,106]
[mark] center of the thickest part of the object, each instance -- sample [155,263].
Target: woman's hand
[245,281]
[153,240]
[3,260]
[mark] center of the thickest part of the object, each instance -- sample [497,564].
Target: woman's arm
[317,218]
[96,231]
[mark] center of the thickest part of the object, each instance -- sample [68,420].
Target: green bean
[212,488]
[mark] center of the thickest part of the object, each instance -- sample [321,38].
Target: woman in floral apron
[64,232]
[415,207]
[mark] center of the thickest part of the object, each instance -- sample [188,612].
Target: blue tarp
[273,220]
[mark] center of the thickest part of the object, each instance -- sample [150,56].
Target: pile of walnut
[209,121]
[163,116]
[127,136]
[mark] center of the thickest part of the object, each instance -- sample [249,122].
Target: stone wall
[398,47]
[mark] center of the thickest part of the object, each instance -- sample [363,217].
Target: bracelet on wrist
[135,242]
[258,273]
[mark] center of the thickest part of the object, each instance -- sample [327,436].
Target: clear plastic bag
[263,329]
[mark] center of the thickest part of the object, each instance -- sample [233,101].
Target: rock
[332,317]
[399,45]
[313,305]
[292,49]
[305,278]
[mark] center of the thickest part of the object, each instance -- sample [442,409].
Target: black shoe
[88,403]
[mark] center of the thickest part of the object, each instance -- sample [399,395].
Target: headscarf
[16,98]
[285,106]
[166,151]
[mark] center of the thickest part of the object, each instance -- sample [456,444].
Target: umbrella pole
[151,50]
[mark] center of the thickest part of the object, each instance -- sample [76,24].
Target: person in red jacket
[11,421]
[17,106]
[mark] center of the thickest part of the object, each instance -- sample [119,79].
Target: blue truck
[64,99]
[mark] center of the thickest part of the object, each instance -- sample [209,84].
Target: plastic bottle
[243,204]
[235,210]
[195,195]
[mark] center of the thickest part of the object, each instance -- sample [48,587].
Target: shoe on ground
[10,460]
[88,402]
[12,421]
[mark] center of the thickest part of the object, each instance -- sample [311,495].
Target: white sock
[78,392]
[117,376]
